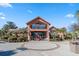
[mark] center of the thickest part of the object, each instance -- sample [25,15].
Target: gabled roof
[35,19]
[52,28]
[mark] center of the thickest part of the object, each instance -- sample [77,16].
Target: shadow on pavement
[2,42]
[7,53]
[21,48]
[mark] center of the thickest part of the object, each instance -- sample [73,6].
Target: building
[38,29]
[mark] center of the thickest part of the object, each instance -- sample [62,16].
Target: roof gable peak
[38,18]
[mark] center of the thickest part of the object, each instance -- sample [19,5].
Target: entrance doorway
[38,35]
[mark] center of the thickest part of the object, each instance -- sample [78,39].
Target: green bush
[68,36]
[12,39]
[5,37]
[22,39]
[54,36]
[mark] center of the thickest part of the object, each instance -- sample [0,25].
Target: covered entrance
[38,35]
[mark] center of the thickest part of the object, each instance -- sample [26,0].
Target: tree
[77,16]
[9,25]
[0,33]
[75,26]
[62,30]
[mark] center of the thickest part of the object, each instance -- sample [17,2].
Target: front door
[38,35]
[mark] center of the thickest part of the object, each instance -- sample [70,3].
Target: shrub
[19,39]
[12,39]
[4,38]
[68,36]
[22,39]
[54,36]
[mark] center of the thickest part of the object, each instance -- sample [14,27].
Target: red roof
[37,19]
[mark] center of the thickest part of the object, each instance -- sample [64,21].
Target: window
[38,26]
[33,26]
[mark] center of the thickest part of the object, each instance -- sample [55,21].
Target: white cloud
[72,22]
[69,15]
[29,11]
[2,15]
[5,5]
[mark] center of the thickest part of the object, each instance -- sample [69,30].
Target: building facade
[38,29]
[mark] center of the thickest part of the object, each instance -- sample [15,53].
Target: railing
[33,38]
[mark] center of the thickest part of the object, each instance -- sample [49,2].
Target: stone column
[28,32]
[47,35]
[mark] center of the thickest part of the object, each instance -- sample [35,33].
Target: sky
[57,14]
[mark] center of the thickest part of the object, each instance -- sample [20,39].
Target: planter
[74,46]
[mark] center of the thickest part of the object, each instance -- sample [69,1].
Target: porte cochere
[38,29]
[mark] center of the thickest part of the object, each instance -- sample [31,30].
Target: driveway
[36,48]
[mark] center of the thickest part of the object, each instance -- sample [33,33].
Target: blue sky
[58,14]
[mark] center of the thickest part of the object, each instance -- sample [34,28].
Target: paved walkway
[14,49]
[41,45]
